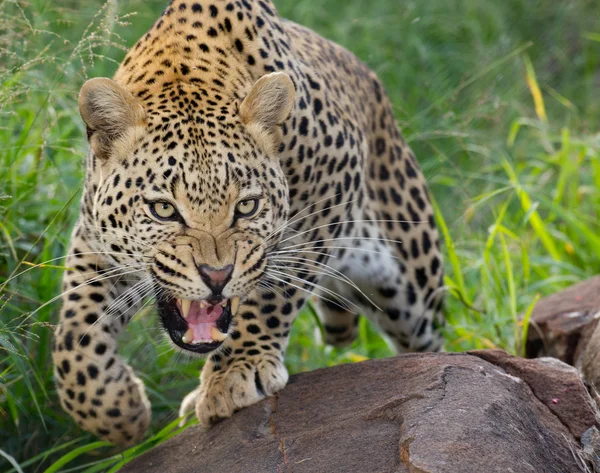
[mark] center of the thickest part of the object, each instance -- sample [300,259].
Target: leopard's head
[185,188]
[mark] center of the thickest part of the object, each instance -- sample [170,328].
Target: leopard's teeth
[217,335]
[224,303]
[185,307]
[188,336]
[235,304]
[204,304]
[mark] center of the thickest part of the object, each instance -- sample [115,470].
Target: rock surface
[481,412]
[565,326]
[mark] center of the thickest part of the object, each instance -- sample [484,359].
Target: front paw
[243,383]
[188,405]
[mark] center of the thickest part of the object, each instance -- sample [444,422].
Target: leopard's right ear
[268,105]
[109,112]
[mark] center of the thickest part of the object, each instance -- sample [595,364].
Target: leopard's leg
[409,293]
[94,384]
[188,404]
[388,290]
[339,318]
[405,269]
[249,365]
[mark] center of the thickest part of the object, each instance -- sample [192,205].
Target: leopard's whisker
[295,220]
[43,263]
[429,300]
[297,245]
[291,219]
[306,270]
[315,285]
[309,292]
[269,286]
[303,250]
[332,276]
[331,272]
[145,304]
[343,222]
[109,311]
[126,297]
[114,269]
[64,293]
[324,270]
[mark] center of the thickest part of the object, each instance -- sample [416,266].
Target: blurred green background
[499,100]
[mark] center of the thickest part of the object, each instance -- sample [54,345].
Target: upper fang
[235,304]
[185,307]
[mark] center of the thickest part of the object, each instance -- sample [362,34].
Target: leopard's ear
[109,112]
[267,106]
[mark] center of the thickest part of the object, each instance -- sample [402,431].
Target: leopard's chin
[198,326]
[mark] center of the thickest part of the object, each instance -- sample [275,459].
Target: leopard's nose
[215,278]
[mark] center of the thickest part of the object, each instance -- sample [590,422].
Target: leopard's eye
[246,208]
[163,211]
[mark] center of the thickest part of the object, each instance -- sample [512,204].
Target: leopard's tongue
[200,320]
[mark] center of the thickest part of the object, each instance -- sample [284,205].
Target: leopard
[240,166]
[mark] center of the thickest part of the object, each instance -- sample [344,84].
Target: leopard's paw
[188,405]
[242,384]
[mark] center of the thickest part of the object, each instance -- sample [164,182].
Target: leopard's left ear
[267,106]
[109,112]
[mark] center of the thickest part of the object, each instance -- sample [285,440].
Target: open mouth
[200,326]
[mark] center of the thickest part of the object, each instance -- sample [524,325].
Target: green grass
[498,99]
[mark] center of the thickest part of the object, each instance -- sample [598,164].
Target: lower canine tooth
[217,335]
[188,336]
[235,305]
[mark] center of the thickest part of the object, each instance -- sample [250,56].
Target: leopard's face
[198,216]
[187,189]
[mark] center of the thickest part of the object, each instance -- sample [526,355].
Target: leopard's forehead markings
[192,169]
[193,148]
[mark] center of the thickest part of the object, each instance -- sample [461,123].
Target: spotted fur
[221,101]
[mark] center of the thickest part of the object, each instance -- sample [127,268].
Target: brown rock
[565,326]
[552,382]
[589,361]
[426,413]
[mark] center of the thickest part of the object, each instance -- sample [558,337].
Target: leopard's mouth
[200,326]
